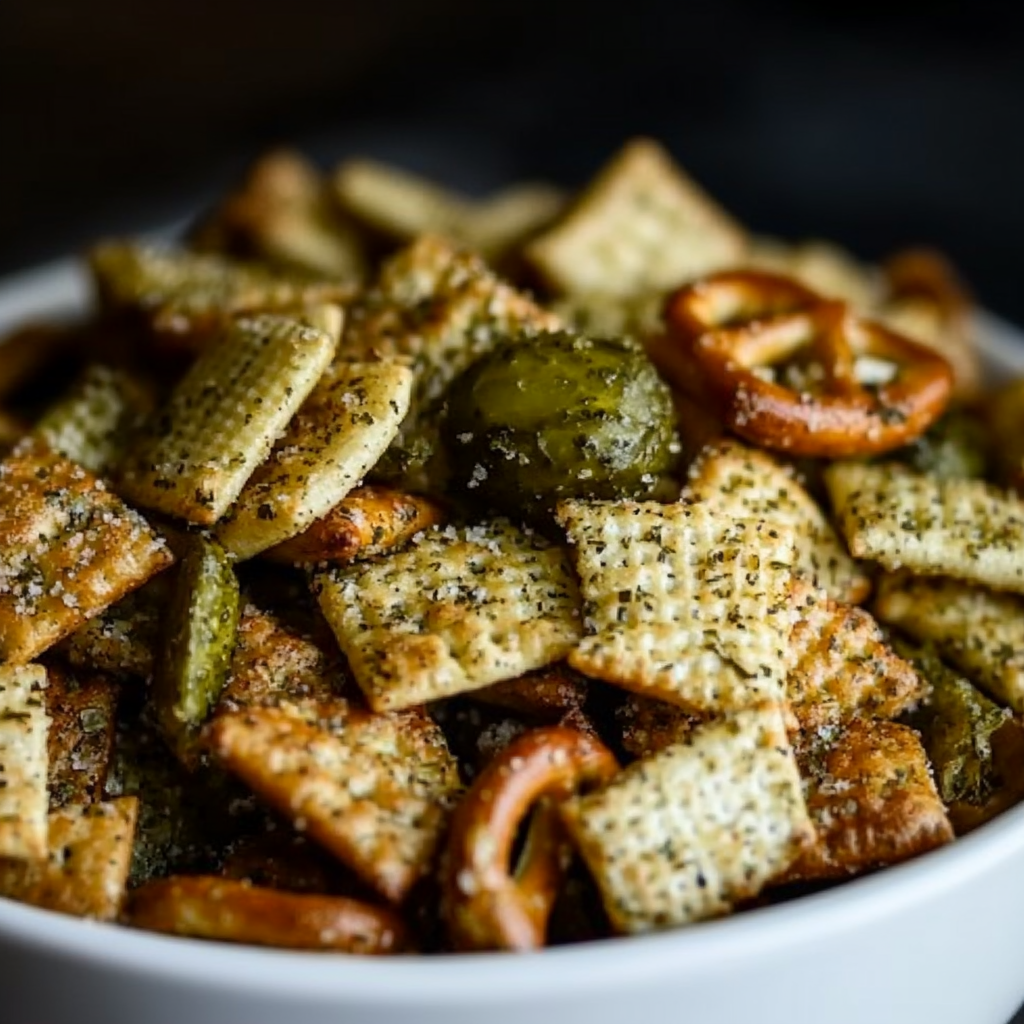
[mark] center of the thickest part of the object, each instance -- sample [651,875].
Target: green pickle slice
[557,416]
[200,638]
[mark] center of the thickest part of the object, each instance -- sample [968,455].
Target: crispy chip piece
[681,602]
[194,457]
[960,528]
[187,298]
[337,436]
[372,789]
[368,521]
[274,662]
[401,206]
[81,736]
[70,549]
[873,802]
[454,612]
[23,728]
[742,482]
[284,213]
[691,831]
[208,907]
[90,423]
[648,724]
[123,638]
[85,869]
[842,668]
[642,225]
[979,631]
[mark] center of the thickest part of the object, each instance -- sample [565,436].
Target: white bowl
[937,940]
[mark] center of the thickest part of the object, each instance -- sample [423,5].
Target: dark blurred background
[877,124]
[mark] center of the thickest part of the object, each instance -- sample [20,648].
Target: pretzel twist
[727,333]
[486,904]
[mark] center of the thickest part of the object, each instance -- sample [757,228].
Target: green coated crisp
[199,640]
[541,419]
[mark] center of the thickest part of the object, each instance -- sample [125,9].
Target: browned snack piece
[122,639]
[842,668]
[85,870]
[787,369]
[928,301]
[369,521]
[487,904]
[372,789]
[554,694]
[71,548]
[82,710]
[222,909]
[12,429]
[647,724]
[283,213]
[872,800]
[1004,417]
[274,661]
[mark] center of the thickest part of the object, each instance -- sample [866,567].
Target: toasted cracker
[739,481]
[187,298]
[85,868]
[71,548]
[194,457]
[23,728]
[647,725]
[642,225]
[208,907]
[372,789]
[402,206]
[454,612]
[368,521]
[81,736]
[124,637]
[337,436]
[873,802]
[90,424]
[273,662]
[694,829]
[821,266]
[979,631]
[842,668]
[682,602]
[284,213]
[960,528]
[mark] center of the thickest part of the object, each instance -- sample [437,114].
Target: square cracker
[960,528]
[80,742]
[337,436]
[696,828]
[842,668]
[978,630]
[873,802]
[84,871]
[23,728]
[681,602]
[194,456]
[743,482]
[457,610]
[70,549]
[642,225]
[188,297]
[372,789]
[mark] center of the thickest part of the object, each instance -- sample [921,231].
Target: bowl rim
[60,289]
